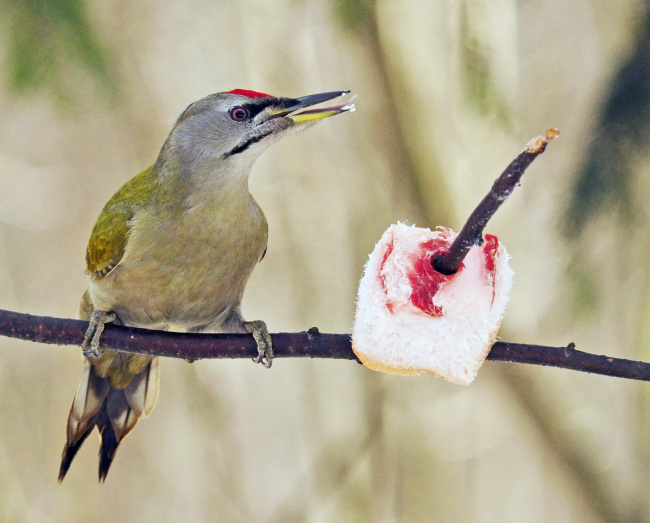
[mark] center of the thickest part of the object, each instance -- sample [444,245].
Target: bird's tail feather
[115,411]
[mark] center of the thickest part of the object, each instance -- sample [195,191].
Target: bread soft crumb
[409,321]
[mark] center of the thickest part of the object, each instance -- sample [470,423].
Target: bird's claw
[264,359]
[98,319]
[264,344]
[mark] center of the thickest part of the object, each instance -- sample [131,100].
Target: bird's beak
[295,111]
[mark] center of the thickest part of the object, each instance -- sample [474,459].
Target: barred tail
[114,411]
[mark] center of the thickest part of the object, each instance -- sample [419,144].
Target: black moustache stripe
[243,146]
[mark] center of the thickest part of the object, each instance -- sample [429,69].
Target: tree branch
[313,344]
[310,344]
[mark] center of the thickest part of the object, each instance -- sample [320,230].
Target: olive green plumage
[109,236]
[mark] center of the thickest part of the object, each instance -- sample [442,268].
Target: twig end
[538,144]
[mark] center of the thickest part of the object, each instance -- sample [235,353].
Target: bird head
[239,125]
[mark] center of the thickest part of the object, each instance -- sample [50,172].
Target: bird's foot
[263,338]
[98,320]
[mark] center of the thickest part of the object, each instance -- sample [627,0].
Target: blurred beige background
[448,93]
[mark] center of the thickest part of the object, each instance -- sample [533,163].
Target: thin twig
[472,232]
[309,344]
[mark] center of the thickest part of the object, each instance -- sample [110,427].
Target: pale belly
[187,281]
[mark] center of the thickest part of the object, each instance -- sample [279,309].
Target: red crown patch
[250,94]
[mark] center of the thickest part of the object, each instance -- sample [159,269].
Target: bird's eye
[239,114]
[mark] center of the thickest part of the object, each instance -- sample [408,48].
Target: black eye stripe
[254,108]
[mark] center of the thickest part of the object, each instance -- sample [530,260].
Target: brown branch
[310,344]
[472,232]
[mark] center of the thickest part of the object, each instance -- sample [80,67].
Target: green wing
[110,234]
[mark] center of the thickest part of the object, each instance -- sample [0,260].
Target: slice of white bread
[411,318]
